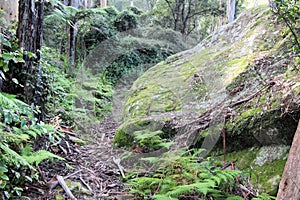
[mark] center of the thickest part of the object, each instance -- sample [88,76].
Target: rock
[263,164]
[238,81]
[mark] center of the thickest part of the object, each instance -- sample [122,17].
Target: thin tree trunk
[39,43]
[220,18]
[103,3]
[72,40]
[289,187]
[231,9]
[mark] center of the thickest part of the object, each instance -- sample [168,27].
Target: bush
[126,20]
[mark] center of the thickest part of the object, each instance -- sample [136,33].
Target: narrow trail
[90,172]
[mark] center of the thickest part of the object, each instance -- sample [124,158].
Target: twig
[68,146]
[63,149]
[117,162]
[62,183]
[247,190]
[67,132]
[42,174]
[85,184]
[268,85]
[68,176]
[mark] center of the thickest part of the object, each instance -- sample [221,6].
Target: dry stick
[61,181]
[85,184]
[117,162]
[53,182]
[247,190]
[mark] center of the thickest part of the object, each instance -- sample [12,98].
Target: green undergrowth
[19,130]
[183,174]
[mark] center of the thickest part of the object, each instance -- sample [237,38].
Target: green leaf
[234,198]
[7,56]
[4,177]
[4,41]
[2,75]
[3,169]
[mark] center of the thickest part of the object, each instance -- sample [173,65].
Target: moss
[251,112]
[59,197]
[265,177]
[125,133]
[77,140]
[122,138]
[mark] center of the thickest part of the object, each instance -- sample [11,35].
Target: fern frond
[199,187]
[234,198]
[15,157]
[38,156]
[163,197]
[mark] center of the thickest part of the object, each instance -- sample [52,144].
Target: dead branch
[62,183]
[121,168]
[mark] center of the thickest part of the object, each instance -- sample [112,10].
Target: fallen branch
[86,185]
[268,85]
[62,183]
[121,168]
[243,188]
[54,182]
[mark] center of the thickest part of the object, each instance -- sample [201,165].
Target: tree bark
[72,40]
[103,3]
[289,187]
[30,36]
[231,9]
[11,9]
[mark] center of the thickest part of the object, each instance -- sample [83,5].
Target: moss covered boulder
[239,82]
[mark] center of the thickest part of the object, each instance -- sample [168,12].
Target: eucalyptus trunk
[231,10]
[72,39]
[30,36]
[289,185]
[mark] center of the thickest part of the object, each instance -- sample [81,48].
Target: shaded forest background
[45,44]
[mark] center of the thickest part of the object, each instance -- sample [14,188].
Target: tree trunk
[103,3]
[231,9]
[11,9]
[72,40]
[30,36]
[289,187]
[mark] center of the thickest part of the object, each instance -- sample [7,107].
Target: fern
[183,173]
[199,188]
[14,157]
[39,156]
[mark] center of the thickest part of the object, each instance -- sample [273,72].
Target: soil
[89,171]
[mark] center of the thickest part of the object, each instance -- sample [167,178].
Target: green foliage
[18,130]
[126,20]
[289,12]
[57,86]
[150,141]
[184,173]
[264,197]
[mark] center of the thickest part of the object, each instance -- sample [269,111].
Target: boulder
[238,90]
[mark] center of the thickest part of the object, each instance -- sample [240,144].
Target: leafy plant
[18,130]
[289,12]
[149,140]
[182,174]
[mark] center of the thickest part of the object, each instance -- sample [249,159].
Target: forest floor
[90,171]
